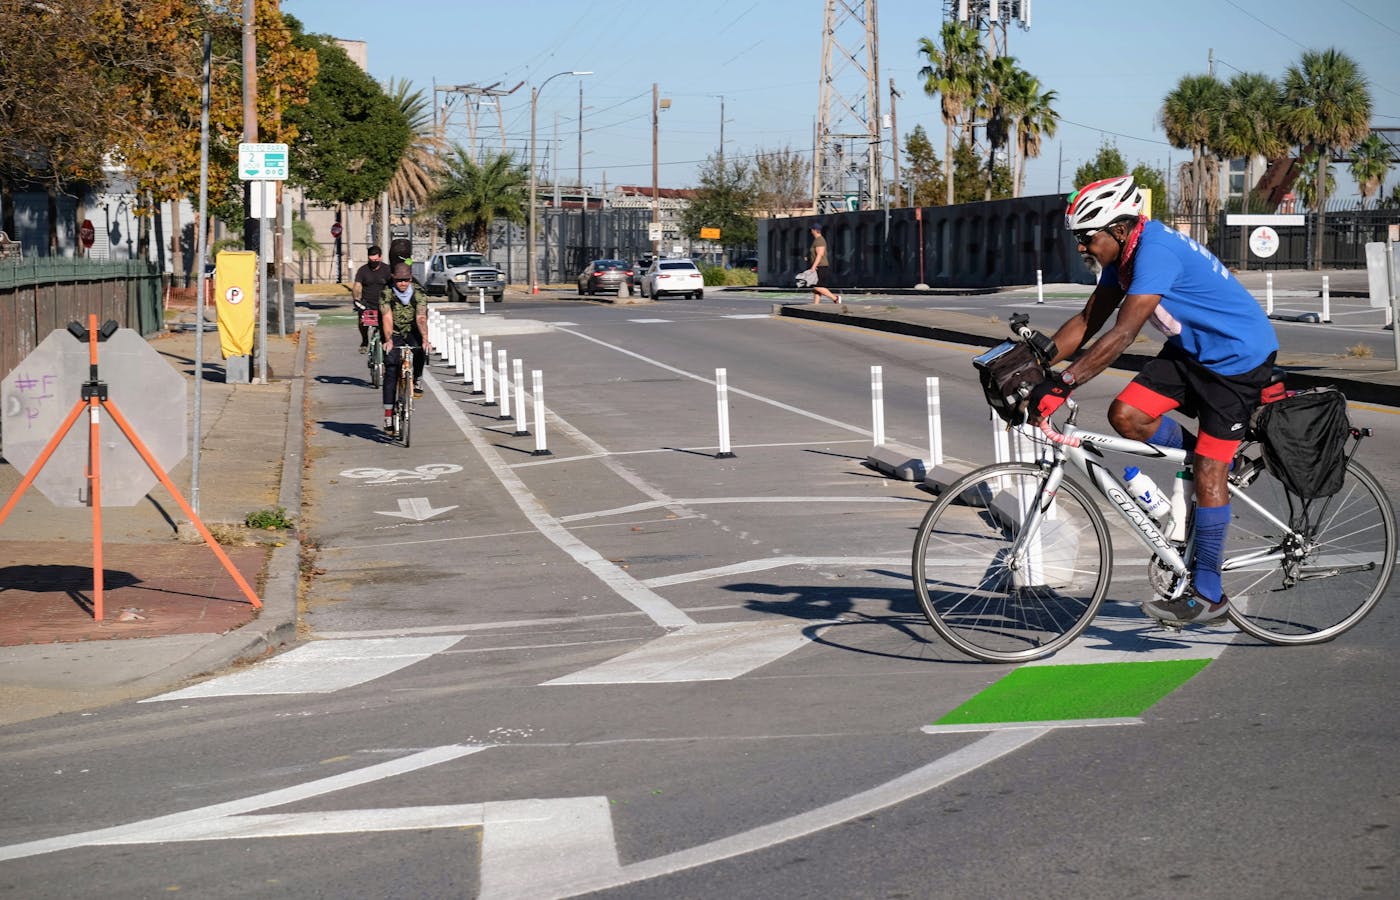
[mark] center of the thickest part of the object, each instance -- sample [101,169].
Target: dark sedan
[605,276]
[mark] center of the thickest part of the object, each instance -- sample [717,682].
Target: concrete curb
[276,624]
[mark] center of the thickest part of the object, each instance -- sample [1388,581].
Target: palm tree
[1034,115]
[1191,116]
[474,195]
[1326,107]
[1250,124]
[1306,185]
[421,164]
[954,74]
[999,85]
[1370,163]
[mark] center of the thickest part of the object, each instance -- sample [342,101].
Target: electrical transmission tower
[990,17]
[846,165]
[478,100]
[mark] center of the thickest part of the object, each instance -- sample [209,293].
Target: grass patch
[1360,351]
[272,519]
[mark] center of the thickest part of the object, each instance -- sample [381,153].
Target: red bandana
[1125,258]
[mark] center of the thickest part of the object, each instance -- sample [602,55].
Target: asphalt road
[631,668]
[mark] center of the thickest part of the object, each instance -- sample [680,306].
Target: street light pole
[530,244]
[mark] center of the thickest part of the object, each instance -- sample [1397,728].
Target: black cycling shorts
[1222,403]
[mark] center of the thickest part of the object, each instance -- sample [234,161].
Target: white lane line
[650,321]
[530,843]
[281,797]
[763,564]
[845,426]
[706,449]
[748,316]
[319,667]
[700,653]
[657,608]
[725,501]
[923,779]
[979,727]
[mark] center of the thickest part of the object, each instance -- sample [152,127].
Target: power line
[1265,24]
[1371,17]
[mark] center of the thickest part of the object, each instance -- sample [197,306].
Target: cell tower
[992,17]
[846,162]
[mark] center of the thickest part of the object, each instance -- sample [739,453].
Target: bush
[268,519]
[720,276]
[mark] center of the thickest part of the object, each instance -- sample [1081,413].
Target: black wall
[990,244]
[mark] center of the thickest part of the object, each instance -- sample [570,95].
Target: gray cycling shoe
[1189,609]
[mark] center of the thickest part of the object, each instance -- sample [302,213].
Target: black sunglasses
[1085,236]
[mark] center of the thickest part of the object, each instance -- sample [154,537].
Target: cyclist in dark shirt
[371,280]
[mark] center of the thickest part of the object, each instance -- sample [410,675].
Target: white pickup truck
[460,275]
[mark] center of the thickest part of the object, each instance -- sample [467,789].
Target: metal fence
[42,294]
[1344,237]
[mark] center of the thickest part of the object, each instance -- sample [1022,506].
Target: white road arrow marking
[415,508]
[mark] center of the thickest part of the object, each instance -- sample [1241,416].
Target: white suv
[672,276]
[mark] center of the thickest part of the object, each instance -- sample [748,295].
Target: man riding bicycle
[403,319]
[1218,356]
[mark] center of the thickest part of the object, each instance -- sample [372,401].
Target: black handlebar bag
[1008,372]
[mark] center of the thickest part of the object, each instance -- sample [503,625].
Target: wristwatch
[1067,377]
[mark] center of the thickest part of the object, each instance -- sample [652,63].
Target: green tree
[1370,164]
[351,134]
[782,180]
[725,200]
[1107,163]
[1191,115]
[995,107]
[1249,127]
[472,196]
[1326,107]
[953,73]
[1152,179]
[970,182]
[1310,164]
[923,172]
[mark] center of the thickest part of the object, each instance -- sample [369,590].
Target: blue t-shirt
[1204,311]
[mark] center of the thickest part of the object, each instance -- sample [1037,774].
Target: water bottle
[1181,485]
[1144,491]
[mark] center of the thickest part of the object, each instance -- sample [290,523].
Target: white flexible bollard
[537,388]
[935,423]
[460,341]
[1039,288]
[504,370]
[481,300]
[1326,299]
[474,360]
[464,347]
[521,420]
[1001,446]
[433,328]
[722,402]
[486,361]
[1268,293]
[877,404]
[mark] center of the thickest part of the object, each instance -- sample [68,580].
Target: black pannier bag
[1304,440]
[1008,372]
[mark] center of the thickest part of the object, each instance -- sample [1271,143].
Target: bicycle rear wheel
[1326,573]
[376,362]
[995,607]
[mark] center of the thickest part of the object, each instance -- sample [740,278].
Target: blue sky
[1110,64]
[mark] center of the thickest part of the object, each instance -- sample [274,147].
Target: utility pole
[580,134]
[894,132]
[655,167]
[721,134]
[250,113]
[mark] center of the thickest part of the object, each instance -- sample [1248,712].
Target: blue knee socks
[1171,434]
[1211,524]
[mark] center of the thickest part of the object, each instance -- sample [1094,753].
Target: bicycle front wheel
[1310,582]
[997,597]
[404,406]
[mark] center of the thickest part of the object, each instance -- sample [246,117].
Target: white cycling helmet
[1102,203]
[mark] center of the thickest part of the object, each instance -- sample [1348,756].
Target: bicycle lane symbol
[426,472]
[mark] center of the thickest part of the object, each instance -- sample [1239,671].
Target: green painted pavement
[1093,691]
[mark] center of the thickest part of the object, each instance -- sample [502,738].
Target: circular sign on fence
[335,230]
[87,234]
[1263,241]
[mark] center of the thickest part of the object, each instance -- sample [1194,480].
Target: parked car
[748,262]
[605,276]
[672,276]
